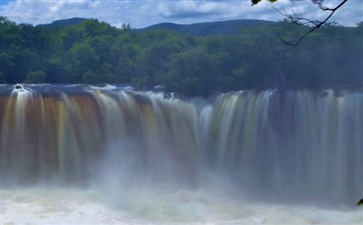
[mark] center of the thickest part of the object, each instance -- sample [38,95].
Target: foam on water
[107,155]
[145,206]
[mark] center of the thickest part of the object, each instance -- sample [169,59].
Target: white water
[35,206]
[243,158]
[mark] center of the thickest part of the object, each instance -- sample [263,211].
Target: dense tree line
[95,52]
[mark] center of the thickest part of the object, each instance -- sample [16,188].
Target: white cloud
[141,13]
[185,8]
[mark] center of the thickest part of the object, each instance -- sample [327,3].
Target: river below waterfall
[34,206]
[78,154]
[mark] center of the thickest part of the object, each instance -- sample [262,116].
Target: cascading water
[310,147]
[250,145]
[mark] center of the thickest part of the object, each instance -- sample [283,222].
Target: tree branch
[317,24]
[322,7]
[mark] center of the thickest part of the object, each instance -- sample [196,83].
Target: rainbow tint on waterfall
[79,154]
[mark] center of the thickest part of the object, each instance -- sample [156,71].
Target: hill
[64,23]
[218,28]
[229,27]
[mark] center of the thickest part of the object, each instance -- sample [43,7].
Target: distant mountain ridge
[64,23]
[228,27]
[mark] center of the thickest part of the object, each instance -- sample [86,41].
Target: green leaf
[254,2]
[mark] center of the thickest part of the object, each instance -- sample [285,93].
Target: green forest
[94,52]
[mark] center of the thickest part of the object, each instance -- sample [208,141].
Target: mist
[136,157]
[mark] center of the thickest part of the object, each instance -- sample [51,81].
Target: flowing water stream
[76,154]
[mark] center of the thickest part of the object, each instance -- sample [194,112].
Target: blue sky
[6,1]
[142,13]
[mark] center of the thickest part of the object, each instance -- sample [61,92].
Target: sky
[142,13]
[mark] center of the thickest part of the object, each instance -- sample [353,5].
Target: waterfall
[307,148]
